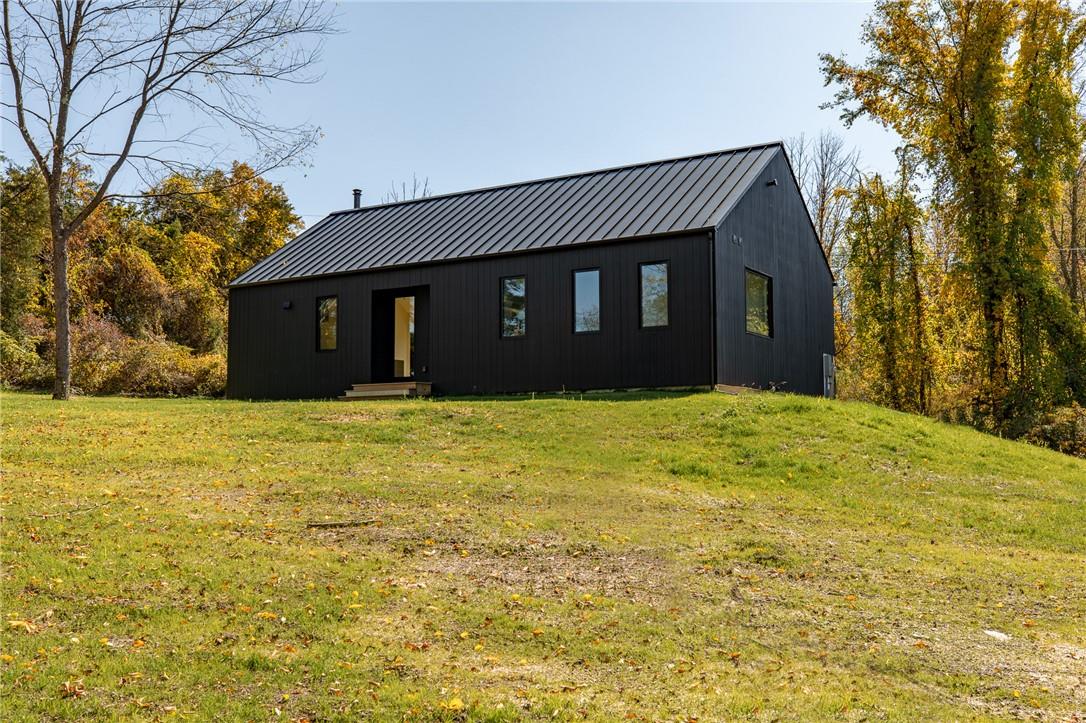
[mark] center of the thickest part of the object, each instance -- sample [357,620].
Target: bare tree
[418,189]
[826,172]
[1067,230]
[1067,223]
[80,70]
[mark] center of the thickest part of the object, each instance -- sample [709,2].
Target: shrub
[1062,429]
[198,317]
[107,361]
[154,368]
[98,348]
[20,365]
[130,288]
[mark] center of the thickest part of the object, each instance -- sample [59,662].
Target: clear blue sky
[474,95]
[479,94]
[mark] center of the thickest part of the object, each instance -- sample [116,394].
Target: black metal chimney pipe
[357,197]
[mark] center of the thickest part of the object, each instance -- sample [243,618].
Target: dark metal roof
[647,199]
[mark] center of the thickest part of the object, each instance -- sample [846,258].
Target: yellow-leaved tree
[983,91]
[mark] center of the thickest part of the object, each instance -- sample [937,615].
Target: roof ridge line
[562,177]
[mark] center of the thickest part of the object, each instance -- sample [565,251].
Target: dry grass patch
[554,567]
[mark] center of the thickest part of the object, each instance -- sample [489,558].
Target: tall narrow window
[514,300]
[654,294]
[586,301]
[326,323]
[759,304]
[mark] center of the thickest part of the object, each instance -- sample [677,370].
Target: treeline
[148,279]
[961,277]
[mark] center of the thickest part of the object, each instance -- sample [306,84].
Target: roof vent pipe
[357,197]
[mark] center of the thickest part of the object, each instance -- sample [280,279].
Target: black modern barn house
[685,272]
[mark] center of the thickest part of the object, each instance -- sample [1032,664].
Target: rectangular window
[586,301]
[514,299]
[326,323]
[759,304]
[654,294]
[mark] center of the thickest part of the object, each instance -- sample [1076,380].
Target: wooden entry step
[386,390]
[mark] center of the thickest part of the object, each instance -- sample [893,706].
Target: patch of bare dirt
[550,566]
[1050,678]
[355,417]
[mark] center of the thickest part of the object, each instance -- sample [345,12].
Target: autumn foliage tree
[81,69]
[890,354]
[147,278]
[984,92]
[24,214]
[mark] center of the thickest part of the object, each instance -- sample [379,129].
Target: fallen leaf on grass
[24,625]
[72,689]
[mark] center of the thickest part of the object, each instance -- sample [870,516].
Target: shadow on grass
[610,395]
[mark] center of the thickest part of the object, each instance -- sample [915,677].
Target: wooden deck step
[386,390]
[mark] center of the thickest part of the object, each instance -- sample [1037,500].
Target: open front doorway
[401,334]
[404,337]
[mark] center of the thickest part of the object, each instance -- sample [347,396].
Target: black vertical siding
[273,352]
[777,240]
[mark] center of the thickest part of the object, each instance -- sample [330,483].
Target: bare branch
[16,79]
[419,189]
[75,63]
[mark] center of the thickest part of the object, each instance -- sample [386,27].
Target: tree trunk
[62,358]
[920,357]
[1076,293]
[1074,245]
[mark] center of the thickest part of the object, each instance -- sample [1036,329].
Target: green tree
[1049,343]
[24,219]
[891,351]
[983,91]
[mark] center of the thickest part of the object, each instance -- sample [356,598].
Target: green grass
[654,557]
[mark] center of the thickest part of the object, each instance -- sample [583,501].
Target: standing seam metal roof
[646,199]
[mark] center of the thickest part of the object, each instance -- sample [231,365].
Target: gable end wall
[777,240]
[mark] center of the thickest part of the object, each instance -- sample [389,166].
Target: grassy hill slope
[654,557]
